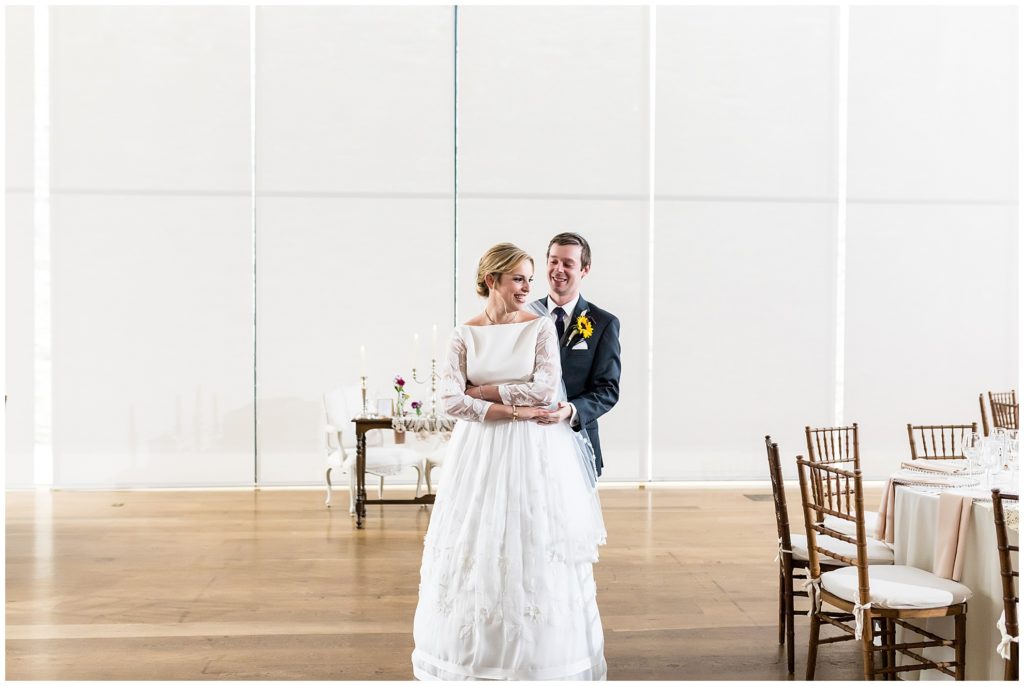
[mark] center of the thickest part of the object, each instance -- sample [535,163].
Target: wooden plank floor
[270,585]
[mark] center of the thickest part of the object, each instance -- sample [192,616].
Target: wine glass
[972,448]
[1010,455]
[991,456]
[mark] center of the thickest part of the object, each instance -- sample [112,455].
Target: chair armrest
[331,431]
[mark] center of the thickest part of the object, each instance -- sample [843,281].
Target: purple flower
[399,381]
[416,404]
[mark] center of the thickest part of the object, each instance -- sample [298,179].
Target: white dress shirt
[568,307]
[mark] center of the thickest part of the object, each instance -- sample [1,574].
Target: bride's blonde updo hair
[499,259]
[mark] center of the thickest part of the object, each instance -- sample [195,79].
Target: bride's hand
[475,391]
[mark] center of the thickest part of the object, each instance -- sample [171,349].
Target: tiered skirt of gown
[506,584]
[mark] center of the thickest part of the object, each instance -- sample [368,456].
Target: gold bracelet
[480,391]
[515,413]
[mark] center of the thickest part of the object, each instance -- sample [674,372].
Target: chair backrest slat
[984,414]
[1005,410]
[938,441]
[832,445]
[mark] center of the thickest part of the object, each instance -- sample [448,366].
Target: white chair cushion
[387,459]
[849,528]
[878,552]
[897,587]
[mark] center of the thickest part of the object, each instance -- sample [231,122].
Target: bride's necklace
[515,316]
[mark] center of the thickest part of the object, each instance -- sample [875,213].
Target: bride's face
[513,289]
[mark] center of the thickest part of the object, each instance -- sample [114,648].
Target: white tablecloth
[916,512]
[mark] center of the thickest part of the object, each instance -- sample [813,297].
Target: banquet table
[915,533]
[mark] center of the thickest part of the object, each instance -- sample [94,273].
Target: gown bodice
[500,354]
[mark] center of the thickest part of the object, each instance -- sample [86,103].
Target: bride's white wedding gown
[506,584]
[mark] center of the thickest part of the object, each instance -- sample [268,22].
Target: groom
[588,341]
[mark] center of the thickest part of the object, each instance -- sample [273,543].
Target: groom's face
[565,270]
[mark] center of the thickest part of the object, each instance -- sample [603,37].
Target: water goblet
[991,456]
[1010,456]
[972,448]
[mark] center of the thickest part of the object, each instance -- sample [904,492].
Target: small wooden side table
[362,426]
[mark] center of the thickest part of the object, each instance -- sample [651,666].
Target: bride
[507,584]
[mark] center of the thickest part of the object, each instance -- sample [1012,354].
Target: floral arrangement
[402,395]
[418,406]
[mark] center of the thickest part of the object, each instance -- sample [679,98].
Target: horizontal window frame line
[620,197]
[983,202]
[833,201]
[192,192]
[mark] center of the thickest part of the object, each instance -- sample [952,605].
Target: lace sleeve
[453,385]
[547,373]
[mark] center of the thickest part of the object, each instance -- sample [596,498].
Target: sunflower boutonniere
[584,326]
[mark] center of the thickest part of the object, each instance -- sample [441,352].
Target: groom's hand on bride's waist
[559,414]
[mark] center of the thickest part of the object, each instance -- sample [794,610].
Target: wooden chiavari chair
[793,561]
[1011,584]
[791,566]
[899,592]
[1005,410]
[838,445]
[788,566]
[938,441]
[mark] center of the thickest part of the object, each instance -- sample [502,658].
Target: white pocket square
[582,345]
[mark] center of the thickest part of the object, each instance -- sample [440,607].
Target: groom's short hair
[570,238]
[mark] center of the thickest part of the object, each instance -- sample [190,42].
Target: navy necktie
[559,322]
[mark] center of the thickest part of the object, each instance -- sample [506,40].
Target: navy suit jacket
[591,376]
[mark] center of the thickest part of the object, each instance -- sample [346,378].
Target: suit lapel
[570,326]
[581,306]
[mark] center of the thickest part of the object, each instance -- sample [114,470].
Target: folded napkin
[916,478]
[936,466]
[885,529]
[952,523]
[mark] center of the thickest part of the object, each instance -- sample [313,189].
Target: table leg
[360,478]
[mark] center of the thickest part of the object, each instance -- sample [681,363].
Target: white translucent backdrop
[932,267]
[354,211]
[18,246]
[356,238]
[151,246]
[745,225]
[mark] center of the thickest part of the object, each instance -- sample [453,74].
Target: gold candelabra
[433,386]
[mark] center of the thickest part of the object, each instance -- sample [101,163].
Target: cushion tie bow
[1005,639]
